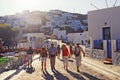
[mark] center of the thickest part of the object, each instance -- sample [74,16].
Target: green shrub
[3,60]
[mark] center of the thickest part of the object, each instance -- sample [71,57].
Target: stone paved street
[59,74]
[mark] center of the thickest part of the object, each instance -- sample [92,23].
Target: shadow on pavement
[59,76]
[90,76]
[61,59]
[75,75]
[30,70]
[47,76]
[15,73]
[36,58]
[70,60]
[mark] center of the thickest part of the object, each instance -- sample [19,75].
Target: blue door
[107,36]
[109,51]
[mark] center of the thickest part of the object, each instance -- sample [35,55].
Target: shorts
[65,60]
[43,59]
[78,60]
[29,57]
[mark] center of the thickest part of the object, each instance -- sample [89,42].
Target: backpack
[29,51]
[75,51]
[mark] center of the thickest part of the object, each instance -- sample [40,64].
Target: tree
[8,34]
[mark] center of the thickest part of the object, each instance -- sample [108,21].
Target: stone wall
[100,55]
[116,58]
[95,53]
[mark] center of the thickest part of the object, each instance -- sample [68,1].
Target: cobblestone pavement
[60,73]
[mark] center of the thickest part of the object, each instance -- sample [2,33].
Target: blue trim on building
[109,51]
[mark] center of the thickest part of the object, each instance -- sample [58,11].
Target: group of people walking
[77,51]
[53,51]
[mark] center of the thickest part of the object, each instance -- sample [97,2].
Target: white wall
[78,37]
[23,45]
[58,33]
[97,19]
[62,33]
[67,15]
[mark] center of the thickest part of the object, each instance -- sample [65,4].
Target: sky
[10,7]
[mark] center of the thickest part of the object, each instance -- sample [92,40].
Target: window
[32,38]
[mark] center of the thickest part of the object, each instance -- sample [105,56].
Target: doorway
[107,36]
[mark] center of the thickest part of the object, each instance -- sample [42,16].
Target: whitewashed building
[60,33]
[23,44]
[101,19]
[104,25]
[78,37]
[35,39]
[73,37]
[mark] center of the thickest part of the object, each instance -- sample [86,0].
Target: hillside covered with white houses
[63,25]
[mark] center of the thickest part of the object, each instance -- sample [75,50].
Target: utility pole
[94,6]
[115,3]
[106,3]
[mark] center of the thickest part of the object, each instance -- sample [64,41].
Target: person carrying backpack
[30,56]
[78,55]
